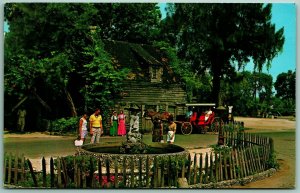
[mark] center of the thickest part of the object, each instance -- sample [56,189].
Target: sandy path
[264,124]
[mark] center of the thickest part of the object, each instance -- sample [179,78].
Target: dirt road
[267,125]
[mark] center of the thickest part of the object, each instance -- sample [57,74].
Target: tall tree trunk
[216,69]
[71,104]
[216,89]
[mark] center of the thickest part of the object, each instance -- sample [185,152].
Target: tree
[219,36]
[103,79]
[51,36]
[248,92]
[193,83]
[285,86]
[46,31]
[132,22]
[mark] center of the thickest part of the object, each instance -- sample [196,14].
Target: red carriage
[200,120]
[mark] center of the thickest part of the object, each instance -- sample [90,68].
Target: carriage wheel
[216,124]
[186,128]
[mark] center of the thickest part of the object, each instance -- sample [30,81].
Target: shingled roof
[138,58]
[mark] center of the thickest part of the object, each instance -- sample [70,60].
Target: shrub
[63,125]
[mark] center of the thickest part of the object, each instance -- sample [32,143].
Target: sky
[283,15]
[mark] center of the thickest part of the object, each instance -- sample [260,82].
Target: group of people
[117,122]
[118,127]
[95,128]
[157,134]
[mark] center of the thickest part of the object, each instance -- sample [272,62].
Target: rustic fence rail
[245,155]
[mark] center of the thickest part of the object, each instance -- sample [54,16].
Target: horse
[164,116]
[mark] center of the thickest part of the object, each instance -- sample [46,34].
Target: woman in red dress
[121,124]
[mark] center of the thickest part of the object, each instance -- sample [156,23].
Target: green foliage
[6,158]
[221,149]
[272,161]
[285,86]
[216,37]
[248,93]
[103,79]
[132,22]
[65,125]
[193,81]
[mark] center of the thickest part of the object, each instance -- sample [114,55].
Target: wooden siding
[146,93]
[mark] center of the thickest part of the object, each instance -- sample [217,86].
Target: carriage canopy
[200,104]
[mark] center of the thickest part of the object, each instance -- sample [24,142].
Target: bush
[63,125]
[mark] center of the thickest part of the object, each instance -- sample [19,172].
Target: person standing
[114,124]
[21,119]
[172,131]
[83,127]
[157,130]
[121,124]
[96,126]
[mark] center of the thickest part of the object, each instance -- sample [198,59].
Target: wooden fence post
[58,173]
[188,175]
[230,166]
[75,173]
[107,171]
[225,166]
[251,160]
[32,173]
[91,173]
[257,157]
[65,172]
[100,172]
[116,182]
[9,168]
[147,172]
[221,166]
[242,162]
[155,172]
[200,168]
[211,173]
[23,174]
[271,142]
[16,169]
[44,172]
[217,175]
[78,176]
[170,172]
[206,168]
[132,172]
[237,163]
[195,169]
[124,172]
[160,173]
[5,167]
[51,173]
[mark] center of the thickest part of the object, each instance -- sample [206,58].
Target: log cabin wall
[156,96]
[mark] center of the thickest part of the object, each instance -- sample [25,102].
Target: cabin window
[155,73]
